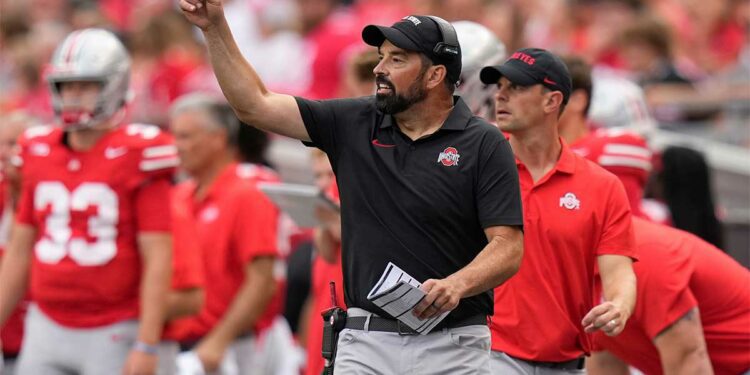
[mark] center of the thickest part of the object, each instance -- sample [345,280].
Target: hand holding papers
[398,293]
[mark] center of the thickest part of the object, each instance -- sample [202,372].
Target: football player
[92,232]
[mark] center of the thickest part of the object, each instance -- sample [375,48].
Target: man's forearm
[249,303]
[619,284]
[155,281]
[14,275]
[325,244]
[495,264]
[15,269]
[245,91]
[239,82]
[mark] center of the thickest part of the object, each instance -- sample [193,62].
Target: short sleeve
[158,157]
[152,206]
[617,229]
[498,192]
[328,122]
[255,233]
[664,291]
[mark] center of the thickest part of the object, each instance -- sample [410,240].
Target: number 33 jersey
[88,208]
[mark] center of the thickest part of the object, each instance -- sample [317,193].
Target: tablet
[298,201]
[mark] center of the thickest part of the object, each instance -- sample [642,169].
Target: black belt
[392,325]
[10,356]
[573,364]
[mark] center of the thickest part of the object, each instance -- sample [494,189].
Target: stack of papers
[298,201]
[398,293]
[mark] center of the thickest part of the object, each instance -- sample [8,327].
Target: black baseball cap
[420,34]
[531,66]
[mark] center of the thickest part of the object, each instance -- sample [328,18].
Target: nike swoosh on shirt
[377,143]
[114,152]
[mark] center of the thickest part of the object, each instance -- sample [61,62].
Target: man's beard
[395,103]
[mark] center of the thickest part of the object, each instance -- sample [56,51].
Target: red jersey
[236,223]
[625,154]
[88,208]
[575,213]
[676,272]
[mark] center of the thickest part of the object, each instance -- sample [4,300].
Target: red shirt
[236,223]
[676,272]
[187,269]
[575,213]
[88,208]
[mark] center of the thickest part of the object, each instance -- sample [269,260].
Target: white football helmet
[619,103]
[90,55]
[479,48]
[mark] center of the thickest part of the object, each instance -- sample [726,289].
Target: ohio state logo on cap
[449,157]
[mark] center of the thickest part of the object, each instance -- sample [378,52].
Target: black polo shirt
[420,204]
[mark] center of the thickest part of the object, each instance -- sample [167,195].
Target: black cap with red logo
[531,66]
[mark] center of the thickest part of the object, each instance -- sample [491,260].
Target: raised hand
[203,13]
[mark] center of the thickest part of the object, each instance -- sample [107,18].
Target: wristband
[142,347]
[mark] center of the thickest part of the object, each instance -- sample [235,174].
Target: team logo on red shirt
[449,157]
[570,202]
[209,214]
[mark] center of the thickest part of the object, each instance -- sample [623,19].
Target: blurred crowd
[690,56]
[689,59]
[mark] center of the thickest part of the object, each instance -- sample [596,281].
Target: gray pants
[167,353]
[52,349]
[454,351]
[7,367]
[501,363]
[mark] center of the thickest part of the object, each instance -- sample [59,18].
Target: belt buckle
[404,330]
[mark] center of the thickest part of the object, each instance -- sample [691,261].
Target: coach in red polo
[576,217]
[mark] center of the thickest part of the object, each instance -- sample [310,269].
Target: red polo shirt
[187,267]
[676,272]
[235,223]
[575,213]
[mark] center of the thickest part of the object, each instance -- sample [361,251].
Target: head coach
[424,184]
